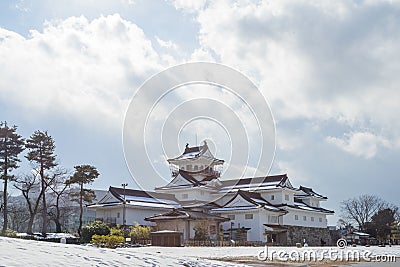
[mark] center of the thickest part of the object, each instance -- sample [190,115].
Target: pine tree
[11,145]
[41,153]
[84,174]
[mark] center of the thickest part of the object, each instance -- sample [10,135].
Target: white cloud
[295,173]
[201,54]
[166,44]
[362,144]
[86,70]
[313,60]
[189,5]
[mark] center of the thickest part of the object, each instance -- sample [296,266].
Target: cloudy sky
[329,70]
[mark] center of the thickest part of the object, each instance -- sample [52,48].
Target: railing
[205,172]
[193,243]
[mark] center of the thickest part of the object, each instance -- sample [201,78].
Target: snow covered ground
[17,252]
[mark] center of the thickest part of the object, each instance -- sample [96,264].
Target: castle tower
[198,161]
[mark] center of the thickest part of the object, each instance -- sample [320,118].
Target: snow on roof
[273,181]
[301,205]
[152,205]
[196,152]
[253,198]
[360,234]
[236,208]
[309,192]
[185,214]
[130,198]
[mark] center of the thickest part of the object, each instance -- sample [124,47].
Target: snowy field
[16,252]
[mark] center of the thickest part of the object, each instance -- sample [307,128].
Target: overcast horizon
[328,70]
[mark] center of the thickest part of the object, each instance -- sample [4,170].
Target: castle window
[248,216]
[296,217]
[312,219]
[202,193]
[231,216]
[272,197]
[320,219]
[273,219]
[196,167]
[189,167]
[185,196]
[304,218]
[287,197]
[118,215]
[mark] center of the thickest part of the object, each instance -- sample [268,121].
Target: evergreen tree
[380,225]
[41,153]
[395,232]
[84,174]
[11,145]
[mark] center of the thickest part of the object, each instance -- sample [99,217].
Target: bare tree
[19,215]
[26,185]
[58,206]
[361,209]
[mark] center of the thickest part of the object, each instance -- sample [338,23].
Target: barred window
[248,216]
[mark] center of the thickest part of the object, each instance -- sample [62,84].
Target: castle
[267,209]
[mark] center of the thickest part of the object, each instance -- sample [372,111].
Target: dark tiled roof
[279,179]
[307,207]
[119,192]
[185,215]
[192,149]
[193,153]
[276,228]
[310,192]
[199,204]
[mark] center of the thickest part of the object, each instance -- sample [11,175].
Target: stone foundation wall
[312,235]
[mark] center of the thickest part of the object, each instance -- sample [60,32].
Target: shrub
[200,232]
[11,233]
[107,241]
[116,231]
[94,228]
[138,232]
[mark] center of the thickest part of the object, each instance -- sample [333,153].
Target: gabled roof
[308,192]
[183,214]
[267,182]
[253,199]
[180,180]
[194,153]
[189,177]
[191,181]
